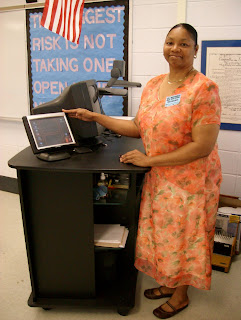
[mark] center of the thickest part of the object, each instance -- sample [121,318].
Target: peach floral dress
[179,203]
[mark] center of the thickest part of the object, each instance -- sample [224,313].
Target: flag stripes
[64,17]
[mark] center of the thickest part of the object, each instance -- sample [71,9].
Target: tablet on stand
[50,136]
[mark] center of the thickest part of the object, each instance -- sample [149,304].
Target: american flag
[64,17]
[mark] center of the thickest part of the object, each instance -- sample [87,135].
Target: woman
[178,121]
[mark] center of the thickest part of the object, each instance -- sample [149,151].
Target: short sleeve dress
[179,203]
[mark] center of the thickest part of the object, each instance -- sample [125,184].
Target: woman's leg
[164,290]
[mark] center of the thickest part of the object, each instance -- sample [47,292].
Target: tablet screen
[50,130]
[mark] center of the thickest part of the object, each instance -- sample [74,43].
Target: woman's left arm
[205,127]
[203,141]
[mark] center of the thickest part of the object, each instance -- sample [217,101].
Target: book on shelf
[110,235]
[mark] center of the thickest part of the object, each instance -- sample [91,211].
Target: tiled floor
[222,302]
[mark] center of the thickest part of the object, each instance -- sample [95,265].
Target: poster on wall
[221,62]
[55,63]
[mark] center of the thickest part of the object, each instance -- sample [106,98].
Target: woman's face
[179,48]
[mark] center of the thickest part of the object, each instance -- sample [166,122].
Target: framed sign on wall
[221,62]
[54,63]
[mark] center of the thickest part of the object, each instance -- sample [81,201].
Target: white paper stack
[110,235]
[223,238]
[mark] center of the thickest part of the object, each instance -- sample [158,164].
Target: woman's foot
[178,301]
[177,304]
[158,293]
[162,314]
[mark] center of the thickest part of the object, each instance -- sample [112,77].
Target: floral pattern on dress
[179,203]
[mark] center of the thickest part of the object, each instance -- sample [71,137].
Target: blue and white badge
[172,100]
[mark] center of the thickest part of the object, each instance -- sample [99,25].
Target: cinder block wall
[214,20]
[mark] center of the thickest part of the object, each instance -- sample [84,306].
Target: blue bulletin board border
[54,63]
[219,43]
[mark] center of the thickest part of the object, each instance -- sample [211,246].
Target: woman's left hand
[135,157]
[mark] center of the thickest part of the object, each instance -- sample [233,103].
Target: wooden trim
[10,119]
[23,6]
[9,184]
[181,11]
[36,5]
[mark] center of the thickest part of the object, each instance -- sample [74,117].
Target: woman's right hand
[123,127]
[79,113]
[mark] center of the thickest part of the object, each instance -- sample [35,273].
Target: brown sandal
[149,294]
[162,314]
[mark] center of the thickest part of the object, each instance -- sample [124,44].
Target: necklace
[180,80]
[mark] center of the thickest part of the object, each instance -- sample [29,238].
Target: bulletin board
[221,62]
[54,63]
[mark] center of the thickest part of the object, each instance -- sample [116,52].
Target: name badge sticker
[173,100]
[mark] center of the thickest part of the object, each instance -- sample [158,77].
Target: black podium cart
[59,212]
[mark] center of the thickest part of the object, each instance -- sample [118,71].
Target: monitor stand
[53,156]
[82,149]
[88,145]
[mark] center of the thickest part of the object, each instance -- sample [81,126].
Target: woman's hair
[192,31]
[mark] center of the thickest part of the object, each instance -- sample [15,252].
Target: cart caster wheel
[47,309]
[123,311]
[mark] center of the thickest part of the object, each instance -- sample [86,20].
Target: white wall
[151,19]
[12,85]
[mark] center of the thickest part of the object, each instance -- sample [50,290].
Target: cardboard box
[228,227]
[220,262]
[225,226]
[229,206]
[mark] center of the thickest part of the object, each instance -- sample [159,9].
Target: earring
[195,56]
